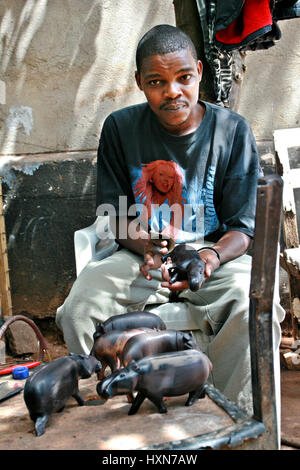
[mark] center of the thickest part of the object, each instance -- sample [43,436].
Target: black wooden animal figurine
[162,375]
[186,265]
[129,321]
[108,347]
[156,342]
[48,389]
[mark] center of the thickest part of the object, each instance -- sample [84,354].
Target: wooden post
[5,293]
[264,261]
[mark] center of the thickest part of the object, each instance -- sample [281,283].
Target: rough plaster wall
[270,97]
[65,65]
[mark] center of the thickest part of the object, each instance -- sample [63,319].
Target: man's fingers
[178,285]
[164,251]
[159,242]
[157,250]
[208,270]
[165,273]
[148,258]
[144,269]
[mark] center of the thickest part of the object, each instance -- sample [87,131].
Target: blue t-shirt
[203,183]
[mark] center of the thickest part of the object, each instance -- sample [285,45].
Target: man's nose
[172,90]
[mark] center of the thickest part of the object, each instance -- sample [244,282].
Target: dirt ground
[290,409]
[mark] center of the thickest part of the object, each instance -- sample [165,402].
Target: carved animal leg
[158,402]
[112,364]
[100,374]
[193,396]
[40,424]
[130,397]
[78,398]
[136,403]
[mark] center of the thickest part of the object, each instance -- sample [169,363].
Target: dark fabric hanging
[286,10]
[227,12]
[239,25]
[254,20]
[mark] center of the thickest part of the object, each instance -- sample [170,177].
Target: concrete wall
[270,97]
[64,66]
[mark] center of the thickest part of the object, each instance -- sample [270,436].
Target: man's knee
[228,298]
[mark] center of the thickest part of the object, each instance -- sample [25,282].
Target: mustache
[173,103]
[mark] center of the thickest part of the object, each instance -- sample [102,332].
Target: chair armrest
[93,243]
[292,256]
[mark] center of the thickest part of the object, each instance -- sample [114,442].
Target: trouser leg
[108,287]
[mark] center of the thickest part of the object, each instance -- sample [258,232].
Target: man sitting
[189,169]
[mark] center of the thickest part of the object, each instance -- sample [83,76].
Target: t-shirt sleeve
[112,174]
[238,202]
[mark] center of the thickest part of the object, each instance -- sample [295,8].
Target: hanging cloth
[239,25]
[286,10]
[254,20]
[220,62]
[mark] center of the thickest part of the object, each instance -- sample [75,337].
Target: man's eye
[154,82]
[186,77]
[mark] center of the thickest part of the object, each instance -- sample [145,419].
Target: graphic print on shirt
[166,204]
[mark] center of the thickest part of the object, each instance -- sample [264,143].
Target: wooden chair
[285,139]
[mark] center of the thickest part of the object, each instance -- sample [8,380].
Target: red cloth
[254,17]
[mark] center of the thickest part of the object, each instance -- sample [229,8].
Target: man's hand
[154,250]
[186,270]
[152,246]
[230,246]
[211,261]
[175,286]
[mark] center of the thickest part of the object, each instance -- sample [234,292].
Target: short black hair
[163,39]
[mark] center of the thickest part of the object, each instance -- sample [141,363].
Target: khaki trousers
[217,313]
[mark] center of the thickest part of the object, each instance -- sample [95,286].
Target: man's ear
[138,80]
[200,69]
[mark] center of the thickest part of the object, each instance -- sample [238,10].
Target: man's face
[171,85]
